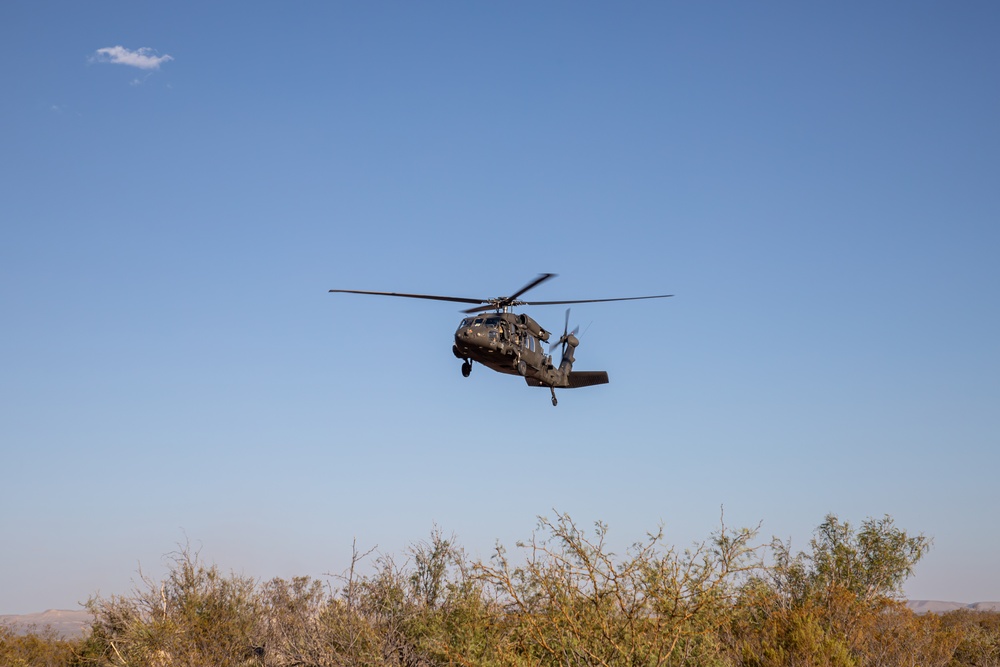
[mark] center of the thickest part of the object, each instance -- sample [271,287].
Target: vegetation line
[563,599]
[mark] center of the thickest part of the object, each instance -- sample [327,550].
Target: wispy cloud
[143,58]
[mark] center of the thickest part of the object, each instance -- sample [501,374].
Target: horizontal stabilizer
[587,378]
[576,379]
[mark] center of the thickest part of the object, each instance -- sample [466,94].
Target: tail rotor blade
[563,338]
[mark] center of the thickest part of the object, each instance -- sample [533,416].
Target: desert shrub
[837,605]
[573,601]
[304,622]
[196,616]
[38,647]
[978,634]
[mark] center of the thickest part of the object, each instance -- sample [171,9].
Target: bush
[978,635]
[197,616]
[36,648]
[575,602]
[837,605]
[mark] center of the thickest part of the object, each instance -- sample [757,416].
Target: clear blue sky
[818,184]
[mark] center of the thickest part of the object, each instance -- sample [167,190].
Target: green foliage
[872,563]
[575,602]
[836,605]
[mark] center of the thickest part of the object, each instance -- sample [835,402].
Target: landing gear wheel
[555,402]
[466,369]
[522,367]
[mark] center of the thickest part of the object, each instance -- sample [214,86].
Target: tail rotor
[568,338]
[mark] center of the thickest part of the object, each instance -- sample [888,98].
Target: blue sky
[816,184]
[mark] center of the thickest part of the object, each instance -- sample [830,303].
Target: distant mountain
[65,623]
[936,607]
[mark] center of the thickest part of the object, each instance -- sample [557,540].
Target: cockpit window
[467,322]
[492,321]
[478,322]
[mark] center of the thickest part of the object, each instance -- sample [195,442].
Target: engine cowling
[533,327]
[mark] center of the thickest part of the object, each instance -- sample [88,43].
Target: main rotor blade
[625,298]
[457,299]
[542,277]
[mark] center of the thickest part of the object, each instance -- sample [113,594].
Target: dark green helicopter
[512,343]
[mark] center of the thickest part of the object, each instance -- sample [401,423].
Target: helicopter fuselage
[505,342]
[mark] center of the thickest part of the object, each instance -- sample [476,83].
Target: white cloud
[142,58]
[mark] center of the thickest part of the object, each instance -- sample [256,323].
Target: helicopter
[512,343]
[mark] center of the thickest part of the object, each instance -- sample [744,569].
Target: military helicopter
[512,343]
